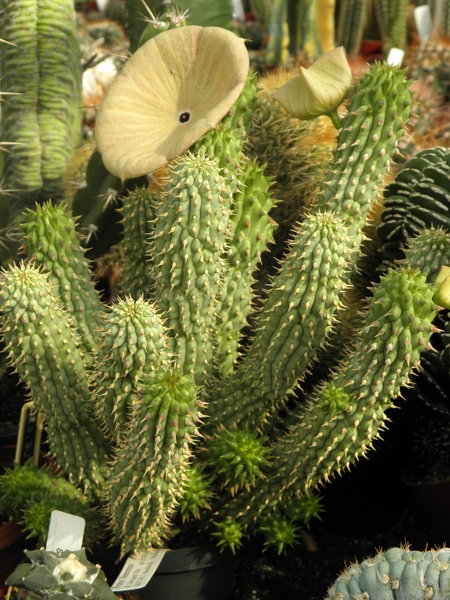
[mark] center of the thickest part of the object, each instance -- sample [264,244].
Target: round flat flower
[172,90]
[318,90]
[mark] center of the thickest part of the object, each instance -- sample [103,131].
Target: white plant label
[238,10]
[65,532]
[137,572]
[395,57]
[422,18]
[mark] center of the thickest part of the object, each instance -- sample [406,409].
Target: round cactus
[64,576]
[419,197]
[394,574]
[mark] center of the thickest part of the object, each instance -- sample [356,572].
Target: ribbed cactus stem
[190,240]
[392,18]
[139,210]
[351,22]
[325,24]
[294,323]
[20,123]
[252,229]
[262,10]
[394,574]
[276,49]
[347,413]
[133,345]
[148,476]
[366,144]
[305,18]
[53,243]
[41,64]
[44,348]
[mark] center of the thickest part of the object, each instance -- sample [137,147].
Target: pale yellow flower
[318,90]
[442,286]
[172,90]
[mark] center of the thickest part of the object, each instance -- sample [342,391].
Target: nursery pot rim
[192,558]
[425,483]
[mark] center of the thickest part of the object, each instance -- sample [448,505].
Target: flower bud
[442,285]
[318,90]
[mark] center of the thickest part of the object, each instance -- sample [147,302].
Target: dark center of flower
[184,117]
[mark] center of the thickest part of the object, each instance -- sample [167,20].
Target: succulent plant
[352,20]
[396,573]
[42,124]
[30,494]
[171,385]
[55,576]
[417,199]
[40,70]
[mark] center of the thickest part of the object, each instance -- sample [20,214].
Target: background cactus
[395,572]
[41,140]
[129,383]
[40,71]
[31,494]
[70,573]
[416,199]
[352,21]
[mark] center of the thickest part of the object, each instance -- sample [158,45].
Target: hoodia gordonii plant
[145,409]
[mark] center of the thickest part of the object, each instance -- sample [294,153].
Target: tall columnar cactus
[52,243]
[349,409]
[262,10]
[134,345]
[276,49]
[252,230]
[148,477]
[132,423]
[138,213]
[351,23]
[392,21]
[41,66]
[55,373]
[302,19]
[190,239]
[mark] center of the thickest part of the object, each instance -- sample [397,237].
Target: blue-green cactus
[396,573]
[53,576]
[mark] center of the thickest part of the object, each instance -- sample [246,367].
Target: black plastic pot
[202,573]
